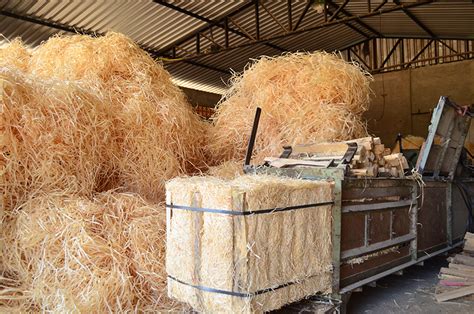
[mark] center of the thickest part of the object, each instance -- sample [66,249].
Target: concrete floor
[412,292]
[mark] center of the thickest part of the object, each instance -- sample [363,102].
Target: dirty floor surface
[412,292]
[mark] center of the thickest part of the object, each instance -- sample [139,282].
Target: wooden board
[463,259]
[454,294]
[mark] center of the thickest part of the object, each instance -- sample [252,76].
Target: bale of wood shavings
[154,125]
[71,254]
[227,170]
[305,97]
[287,254]
[15,54]
[54,136]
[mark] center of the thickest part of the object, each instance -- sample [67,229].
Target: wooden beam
[454,294]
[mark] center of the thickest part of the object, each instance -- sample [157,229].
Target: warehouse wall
[201,98]
[403,100]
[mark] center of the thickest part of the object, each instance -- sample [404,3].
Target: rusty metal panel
[375,226]
[379,229]
[352,230]
[432,217]
[351,273]
[401,222]
[460,211]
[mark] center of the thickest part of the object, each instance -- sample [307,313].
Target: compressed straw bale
[305,98]
[72,254]
[288,251]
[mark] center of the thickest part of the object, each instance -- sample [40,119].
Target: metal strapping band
[232,293]
[246,213]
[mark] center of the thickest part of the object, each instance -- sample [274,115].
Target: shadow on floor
[413,292]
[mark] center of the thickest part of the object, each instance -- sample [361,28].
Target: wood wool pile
[305,98]
[80,116]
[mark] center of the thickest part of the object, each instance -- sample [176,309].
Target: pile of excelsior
[305,98]
[80,116]
[92,128]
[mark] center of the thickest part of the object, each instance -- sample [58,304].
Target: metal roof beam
[358,20]
[380,6]
[361,60]
[417,21]
[210,23]
[207,67]
[391,52]
[78,30]
[352,27]
[302,15]
[338,10]
[224,21]
[420,52]
[344,20]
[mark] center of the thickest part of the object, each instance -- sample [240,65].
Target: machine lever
[253,135]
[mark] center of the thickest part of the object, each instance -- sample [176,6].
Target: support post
[414,222]
[336,237]
[449,213]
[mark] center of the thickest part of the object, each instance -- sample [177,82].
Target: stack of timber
[373,159]
[457,280]
[251,244]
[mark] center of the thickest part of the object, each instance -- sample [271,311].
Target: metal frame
[392,53]
[360,187]
[252,33]
[201,42]
[443,121]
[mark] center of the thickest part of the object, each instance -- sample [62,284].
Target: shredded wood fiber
[80,116]
[157,133]
[71,254]
[227,170]
[15,54]
[55,136]
[248,253]
[305,97]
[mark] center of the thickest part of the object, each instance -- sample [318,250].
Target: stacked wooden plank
[373,159]
[457,280]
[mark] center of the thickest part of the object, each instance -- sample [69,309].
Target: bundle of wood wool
[14,54]
[227,170]
[254,243]
[158,134]
[71,254]
[305,97]
[54,136]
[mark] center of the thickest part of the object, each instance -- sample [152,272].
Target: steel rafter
[417,21]
[297,31]
[82,31]
[351,26]
[219,23]
[421,51]
[358,21]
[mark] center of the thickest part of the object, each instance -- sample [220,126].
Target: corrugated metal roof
[157,26]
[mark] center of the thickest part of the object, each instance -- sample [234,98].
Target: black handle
[251,144]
